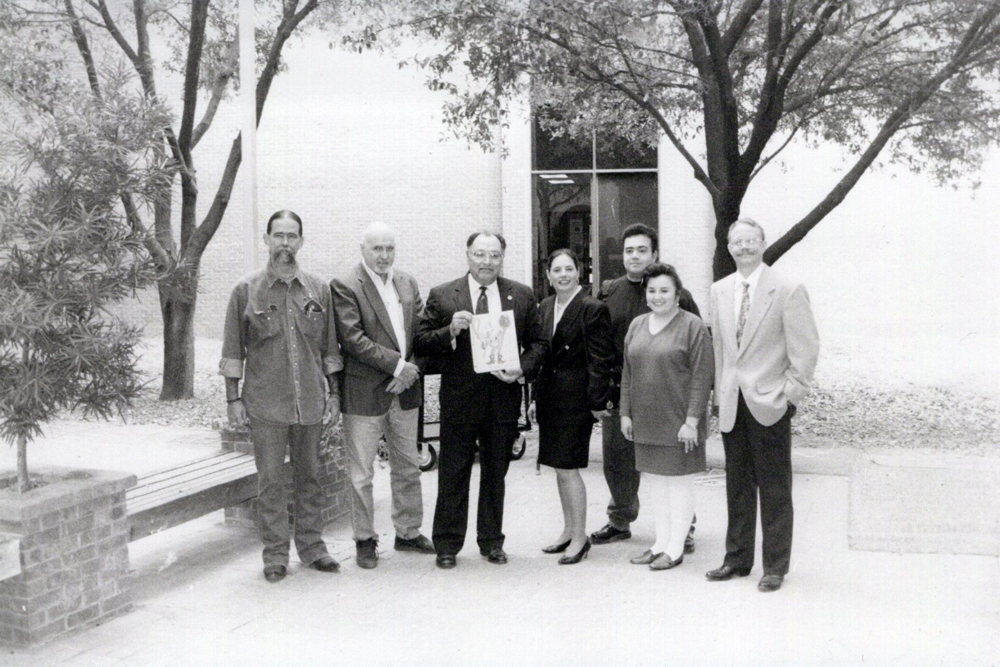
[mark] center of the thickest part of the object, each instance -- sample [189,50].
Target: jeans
[361,434]
[270,442]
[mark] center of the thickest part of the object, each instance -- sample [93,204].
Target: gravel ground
[846,408]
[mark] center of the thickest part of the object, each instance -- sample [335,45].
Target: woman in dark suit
[571,392]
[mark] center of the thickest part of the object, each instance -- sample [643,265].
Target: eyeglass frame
[482,256]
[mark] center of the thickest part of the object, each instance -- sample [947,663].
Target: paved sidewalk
[200,598]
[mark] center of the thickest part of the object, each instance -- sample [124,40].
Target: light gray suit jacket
[775,364]
[368,342]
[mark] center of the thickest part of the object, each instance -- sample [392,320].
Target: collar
[559,306]
[376,278]
[752,279]
[474,285]
[273,277]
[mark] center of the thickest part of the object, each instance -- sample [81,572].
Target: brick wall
[74,554]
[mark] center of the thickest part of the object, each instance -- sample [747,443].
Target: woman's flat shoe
[645,558]
[580,555]
[557,548]
[665,562]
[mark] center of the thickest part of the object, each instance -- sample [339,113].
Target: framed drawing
[494,342]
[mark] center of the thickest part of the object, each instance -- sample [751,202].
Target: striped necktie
[744,311]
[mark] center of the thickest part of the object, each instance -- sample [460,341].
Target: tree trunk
[23,483]
[177,307]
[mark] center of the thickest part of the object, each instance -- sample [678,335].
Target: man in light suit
[477,406]
[376,309]
[766,347]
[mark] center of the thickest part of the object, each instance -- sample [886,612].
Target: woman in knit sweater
[667,378]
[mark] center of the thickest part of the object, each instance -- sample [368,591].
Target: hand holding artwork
[459,321]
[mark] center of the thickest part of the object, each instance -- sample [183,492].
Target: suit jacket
[368,342]
[574,376]
[775,364]
[468,397]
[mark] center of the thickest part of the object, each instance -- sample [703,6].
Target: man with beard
[280,338]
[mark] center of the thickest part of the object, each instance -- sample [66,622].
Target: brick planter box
[72,535]
[333,479]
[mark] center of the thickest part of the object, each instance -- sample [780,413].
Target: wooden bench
[169,497]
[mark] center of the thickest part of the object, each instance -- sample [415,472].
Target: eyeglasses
[744,243]
[482,256]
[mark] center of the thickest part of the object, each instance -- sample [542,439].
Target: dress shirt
[752,279]
[558,311]
[394,307]
[492,294]
[280,334]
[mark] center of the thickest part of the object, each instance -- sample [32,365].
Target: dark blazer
[368,342]
[468,397]
[574,376]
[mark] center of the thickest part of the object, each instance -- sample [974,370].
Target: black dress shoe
[420,544]
[726,572]
[325,563]
[610,534]
[496,556]
[275,573]
[367,553]
[580,555]
[446,561]
[770,582]
[557,548]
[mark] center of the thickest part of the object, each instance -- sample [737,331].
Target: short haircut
[563,251]
[749,222]
[685,300]
[642,230]
[657,269]
[475,235]
[284,214]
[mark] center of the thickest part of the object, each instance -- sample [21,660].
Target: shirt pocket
[312,321]
[264,322]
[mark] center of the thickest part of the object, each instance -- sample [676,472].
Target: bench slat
[205,479]
[223,466]
[166,474]
[186,508]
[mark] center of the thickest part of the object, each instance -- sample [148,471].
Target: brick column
[333,477]
[73,533]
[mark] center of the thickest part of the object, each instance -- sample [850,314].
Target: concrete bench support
[925,503]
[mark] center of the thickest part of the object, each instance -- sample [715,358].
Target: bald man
[376,310]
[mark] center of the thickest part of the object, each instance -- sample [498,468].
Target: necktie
[744,311]
[482,305]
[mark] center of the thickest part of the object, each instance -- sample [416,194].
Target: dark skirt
[669,460]
[564,446]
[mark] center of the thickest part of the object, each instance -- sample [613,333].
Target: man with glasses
[766,348]
[476,406]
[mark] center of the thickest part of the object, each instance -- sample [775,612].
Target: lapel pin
[510,298]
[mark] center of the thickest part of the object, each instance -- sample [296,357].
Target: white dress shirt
[492,295]
[752,280]
[560,309]
[394,306]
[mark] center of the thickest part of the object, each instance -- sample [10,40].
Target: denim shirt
[281,335]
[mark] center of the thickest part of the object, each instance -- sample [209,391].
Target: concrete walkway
[200,599]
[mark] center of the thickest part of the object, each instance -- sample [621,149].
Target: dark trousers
[458,452]
[620,472]
[759,460]
[270,443]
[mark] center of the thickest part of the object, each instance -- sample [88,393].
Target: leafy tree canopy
[729,83]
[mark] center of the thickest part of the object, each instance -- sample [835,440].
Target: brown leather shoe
[645,558]
[420,544]
[770,582]
[325,563]
[726,572]
[665,562]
